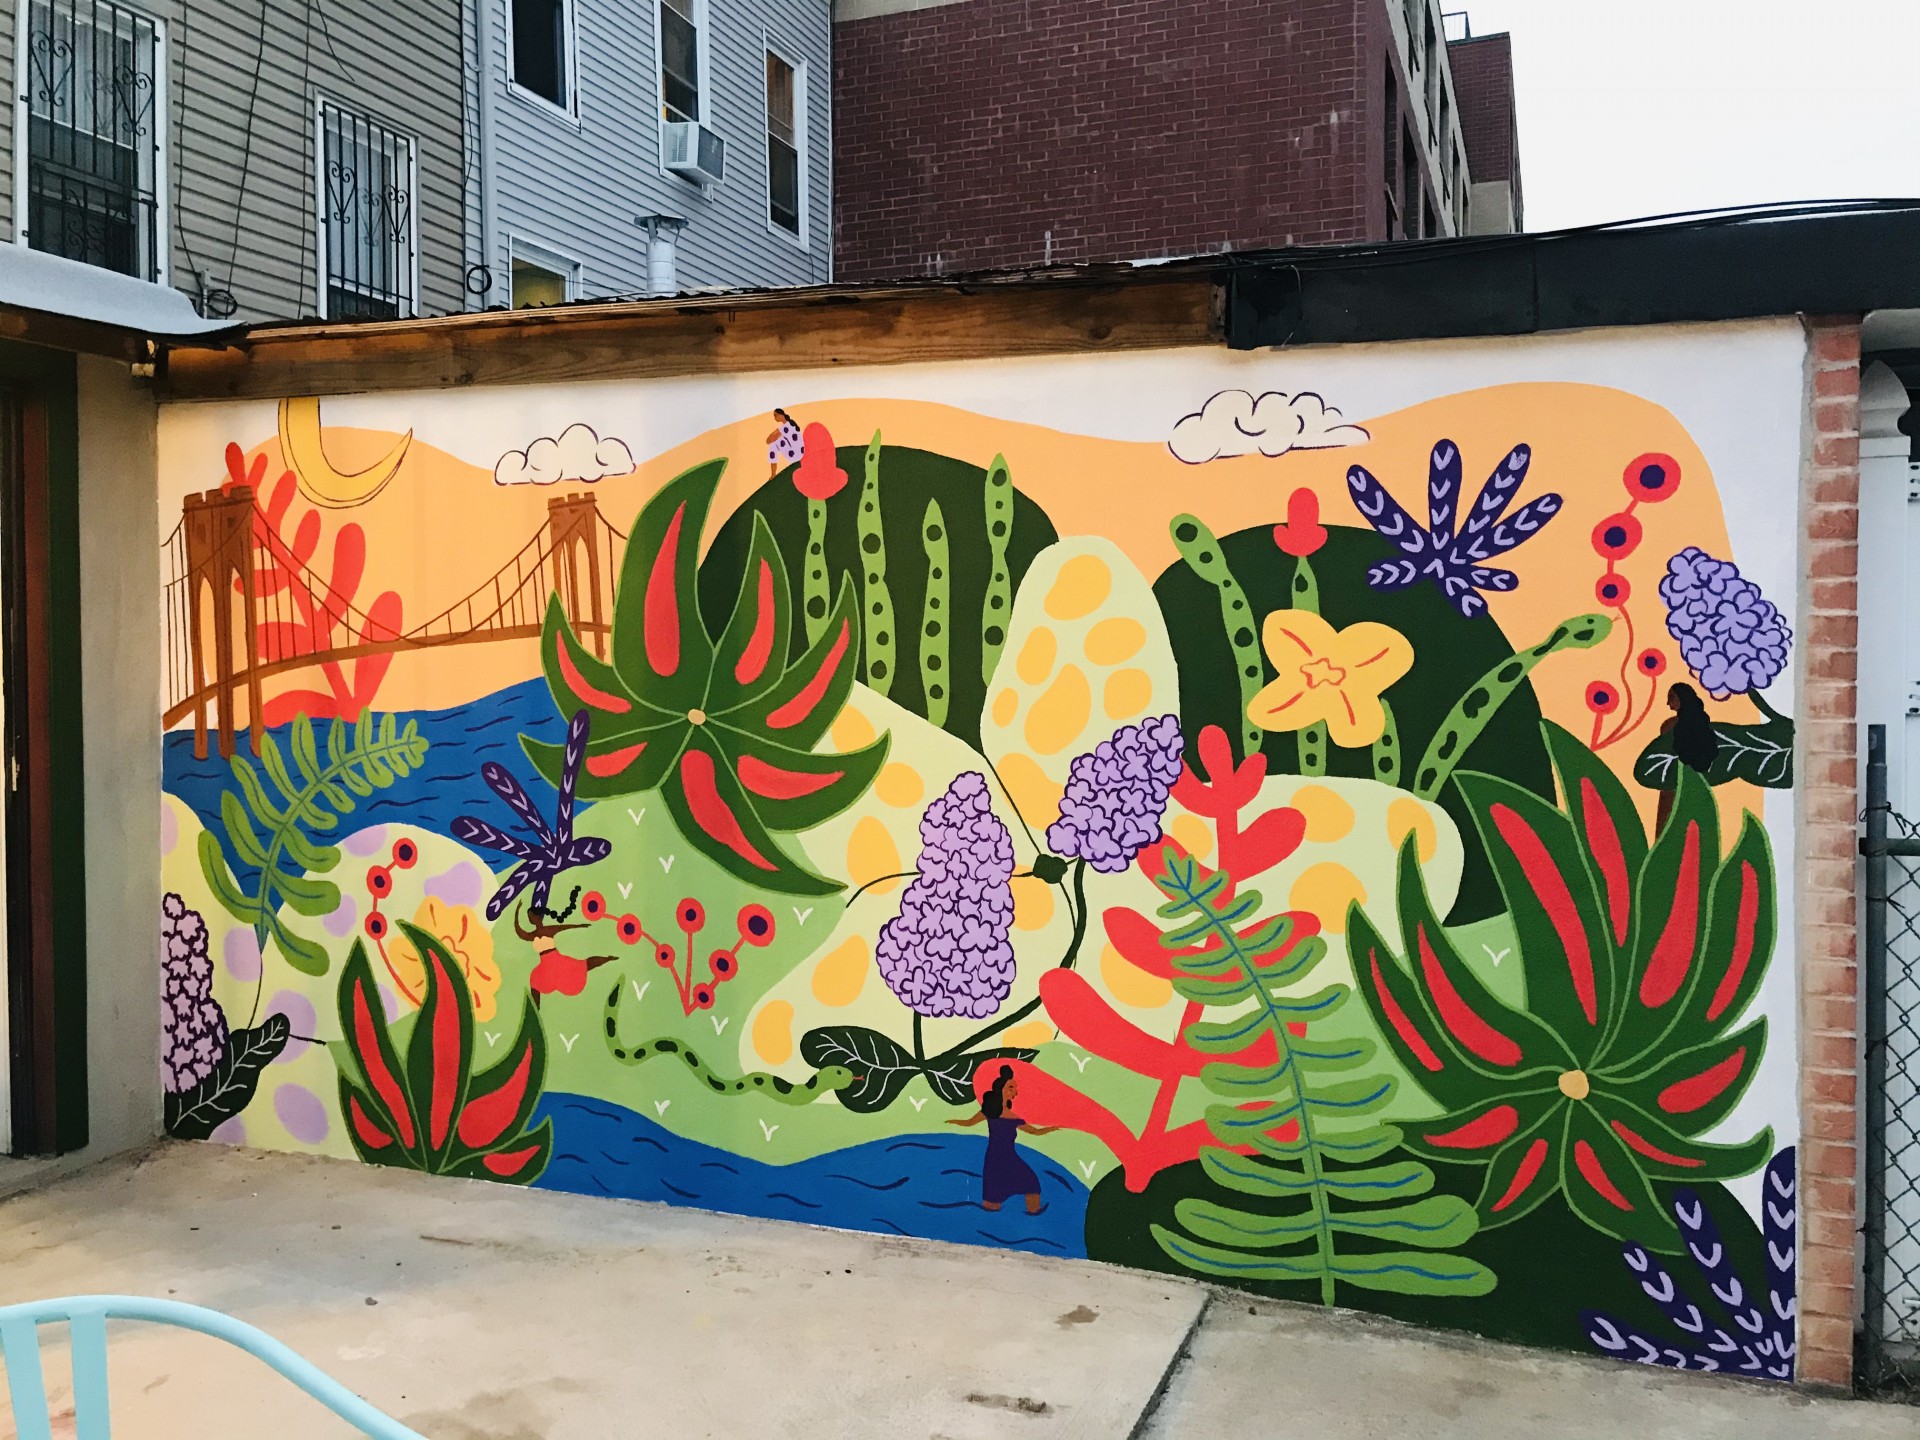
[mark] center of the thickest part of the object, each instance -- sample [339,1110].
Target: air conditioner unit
[695,151]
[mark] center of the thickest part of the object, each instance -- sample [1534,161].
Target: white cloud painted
[578,454]
[1234,422]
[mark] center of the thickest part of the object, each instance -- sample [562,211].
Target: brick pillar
[1826,902]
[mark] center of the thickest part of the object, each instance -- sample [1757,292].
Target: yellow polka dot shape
[1035,796]
[1037,656]
[872,854]
[1329,817]
[1005,706]
[899,785]
[1115,641]
[1324,891]
[1130,985]
[852,730]
[1408,817]
[1126,694]
[773,1032]
[1079,589]
[1193,835]
[1058,716]
[1032,903]
[841,974]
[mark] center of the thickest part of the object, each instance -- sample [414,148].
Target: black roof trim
[1831,259]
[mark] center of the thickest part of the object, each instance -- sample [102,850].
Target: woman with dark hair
[1695,741]
[1006,1174]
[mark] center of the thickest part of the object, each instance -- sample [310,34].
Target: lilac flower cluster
[947,952]
[1116,794]
[194,1030]
[1731,636]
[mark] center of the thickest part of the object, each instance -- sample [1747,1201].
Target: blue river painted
[459,741]
[926,1185]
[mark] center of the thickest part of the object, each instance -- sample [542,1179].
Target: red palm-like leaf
[660,645]
[752,652]
[1695,1089]
[364,1025]
[1524,1171]
[1564,942]
[440,1050]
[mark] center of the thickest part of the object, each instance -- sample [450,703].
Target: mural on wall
[1322,850]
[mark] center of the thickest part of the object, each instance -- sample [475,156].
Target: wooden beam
[721,335]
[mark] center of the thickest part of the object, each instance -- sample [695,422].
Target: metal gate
[1889,1342]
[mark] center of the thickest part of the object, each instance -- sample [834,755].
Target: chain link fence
[1889,1348]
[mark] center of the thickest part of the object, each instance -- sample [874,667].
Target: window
[542,49]
[1414,10]
[1409,184]
[786,144]
[1389,160]
[92,144]
[368,220]
[542,277]
[680,59]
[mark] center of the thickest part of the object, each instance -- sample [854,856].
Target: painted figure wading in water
[1006,1174]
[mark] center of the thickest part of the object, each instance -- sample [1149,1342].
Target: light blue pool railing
[86,1316]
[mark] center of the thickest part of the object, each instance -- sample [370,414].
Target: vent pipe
[663,235]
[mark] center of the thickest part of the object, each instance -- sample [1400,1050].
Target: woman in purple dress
[1006,1174]
[785,445]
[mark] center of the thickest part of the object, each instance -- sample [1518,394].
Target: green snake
[828,1077]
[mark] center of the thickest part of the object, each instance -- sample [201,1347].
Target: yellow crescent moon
[306,456]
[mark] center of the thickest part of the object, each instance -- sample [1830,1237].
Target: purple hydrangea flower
[193,1029]
[1116,794]
[947,952]
[1731,636]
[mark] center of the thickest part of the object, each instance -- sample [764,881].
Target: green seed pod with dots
[934,615]
[876,599]
[1306,585]
[1386,750]
[998,611]
[1201,550]
[816,599]
[1484,698]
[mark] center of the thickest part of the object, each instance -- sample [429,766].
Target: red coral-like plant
[1084,1017]
[315,608]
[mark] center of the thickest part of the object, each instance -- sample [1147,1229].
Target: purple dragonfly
[552,850]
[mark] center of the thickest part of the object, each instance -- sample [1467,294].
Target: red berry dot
[379,882]
[628,928]
[1602,698]
[376,926]
[405,852]
[693,915]
[1612,591]
[664,957]
[1652,477]
[1617,536]
[703,997]
[1652,662]
[593,905]
[756,924]
[724,964]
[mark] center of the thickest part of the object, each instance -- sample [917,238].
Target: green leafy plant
[1201,549]
[197,1113]
[934,616]
[271,833]
[873,563]
[1758,754]
[1639,962]
[431,1111]
[1314,1147]
[880,1067]
[725,729]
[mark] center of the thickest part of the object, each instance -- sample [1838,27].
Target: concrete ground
[480,1312]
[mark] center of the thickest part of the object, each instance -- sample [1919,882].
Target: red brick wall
[1829,804]
[1128,128]
[1483,88]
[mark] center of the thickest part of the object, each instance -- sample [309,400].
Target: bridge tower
[573,535]
[219,534]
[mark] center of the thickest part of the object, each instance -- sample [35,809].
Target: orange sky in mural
[443,526]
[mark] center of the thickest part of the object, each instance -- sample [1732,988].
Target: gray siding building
[308,165]
[584,109]
[387,158]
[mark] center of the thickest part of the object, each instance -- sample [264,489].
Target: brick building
[977,134]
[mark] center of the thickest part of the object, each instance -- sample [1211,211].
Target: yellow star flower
[1332,675]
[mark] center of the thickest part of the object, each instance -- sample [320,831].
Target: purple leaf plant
[1454,559]
[1758,1339]
[552,850]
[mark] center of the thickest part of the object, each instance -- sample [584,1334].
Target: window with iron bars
[369,224]
[92,139]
